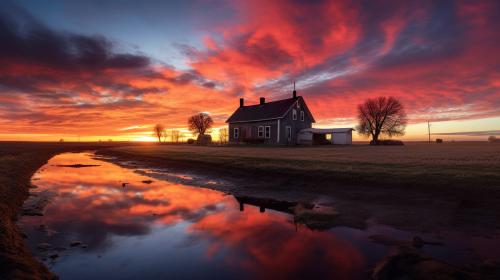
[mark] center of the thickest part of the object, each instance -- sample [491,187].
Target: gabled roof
[266,111]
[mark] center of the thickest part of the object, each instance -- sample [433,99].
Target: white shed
[315,136]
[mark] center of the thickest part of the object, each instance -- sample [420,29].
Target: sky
[99,70]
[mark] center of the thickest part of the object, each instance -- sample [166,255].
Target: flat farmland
[458,164]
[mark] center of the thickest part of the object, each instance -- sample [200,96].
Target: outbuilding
[319,136]
[281,122]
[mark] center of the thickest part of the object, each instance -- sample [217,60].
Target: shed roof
[266,111]
[326,130]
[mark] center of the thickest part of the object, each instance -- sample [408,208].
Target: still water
[104,221]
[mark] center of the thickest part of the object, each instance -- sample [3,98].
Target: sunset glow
[92,71]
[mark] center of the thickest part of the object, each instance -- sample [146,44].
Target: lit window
[302,115]
[260,132]
[236,133]
[294,114]
[268,132]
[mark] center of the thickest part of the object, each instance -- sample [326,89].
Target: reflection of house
[282,122]
[263,204]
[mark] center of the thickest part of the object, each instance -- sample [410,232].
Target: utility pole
[429,130]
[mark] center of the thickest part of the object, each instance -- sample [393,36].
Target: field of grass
[460,164]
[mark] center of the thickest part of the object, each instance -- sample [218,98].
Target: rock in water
[75,243]
[43,246]
[409,264]
[417,242]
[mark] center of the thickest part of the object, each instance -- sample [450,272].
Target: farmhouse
[283,122]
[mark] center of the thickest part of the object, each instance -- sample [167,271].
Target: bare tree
[223,135]
[159,132]
[175,136]
[381,116]
[165,136]
[200,123]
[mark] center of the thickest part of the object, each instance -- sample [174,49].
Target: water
[122,226]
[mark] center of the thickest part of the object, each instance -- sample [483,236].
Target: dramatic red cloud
[440,58]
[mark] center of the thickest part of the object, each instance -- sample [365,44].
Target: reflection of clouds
[266,245]
[92,206]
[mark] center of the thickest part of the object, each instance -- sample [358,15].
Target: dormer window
[302,115]
[294,114]
[298,104]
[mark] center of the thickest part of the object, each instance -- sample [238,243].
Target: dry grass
[417,152]
[459,163]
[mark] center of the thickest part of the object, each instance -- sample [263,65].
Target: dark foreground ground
[18,162]
[417,187]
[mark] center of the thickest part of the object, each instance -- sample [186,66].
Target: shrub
[204,139]
[254,140]
[389,142]
[190,141]
[493,139]
[439,141]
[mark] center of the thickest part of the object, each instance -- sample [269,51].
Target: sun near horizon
[111,72]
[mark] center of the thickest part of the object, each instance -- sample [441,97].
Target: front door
[289,134]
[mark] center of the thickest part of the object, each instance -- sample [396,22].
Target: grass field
[460,164]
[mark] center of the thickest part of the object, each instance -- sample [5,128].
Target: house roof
[266,111]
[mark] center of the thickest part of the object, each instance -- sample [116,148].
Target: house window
[294,114]
[298,104]
[268,132]
[236,133]
[302,115]
[289,133]
[260,132]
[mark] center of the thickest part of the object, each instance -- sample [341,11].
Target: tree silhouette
[159,131]
[200,123]
[381,116]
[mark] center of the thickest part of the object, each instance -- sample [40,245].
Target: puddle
[109,222]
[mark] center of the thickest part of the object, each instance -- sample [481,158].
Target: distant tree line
[163,135]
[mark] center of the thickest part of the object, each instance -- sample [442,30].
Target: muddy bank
[404,207]
[18,162]
[17,261]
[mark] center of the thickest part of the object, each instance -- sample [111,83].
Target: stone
[43,246]
[75,243]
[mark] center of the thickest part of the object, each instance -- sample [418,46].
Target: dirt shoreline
[18,162]
[17,261]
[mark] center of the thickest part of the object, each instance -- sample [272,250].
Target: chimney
[262,100]
[294,91]
[242,102]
